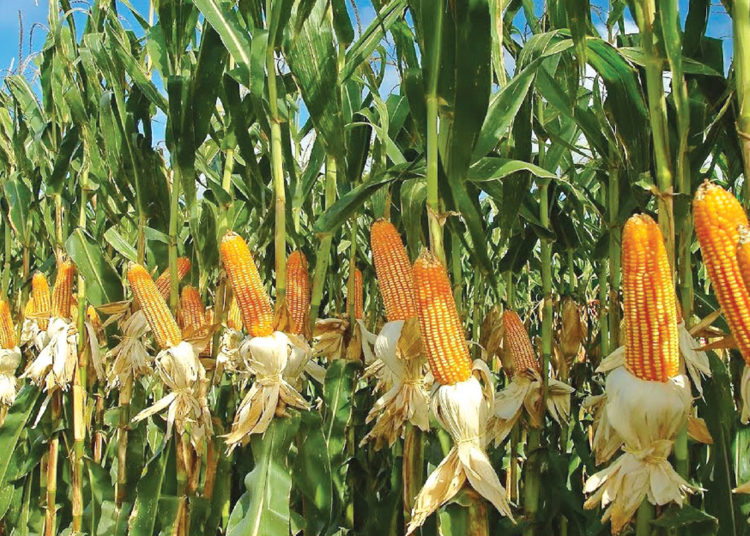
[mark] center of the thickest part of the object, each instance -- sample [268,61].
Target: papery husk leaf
[464,410]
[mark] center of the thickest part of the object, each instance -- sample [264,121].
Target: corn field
[376,268]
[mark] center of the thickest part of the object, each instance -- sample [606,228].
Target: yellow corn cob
[717,216]
[42,298]
[7,330]
[29,309]
[192,312]
[297,290]
[234,317]
[442,332]
[393,269]
[517,342]
[163,281]
[359,298]
[163,325]
[651,339]
[252,299]
[62,292]
[92,316]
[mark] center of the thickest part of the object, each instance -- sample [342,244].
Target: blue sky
[34,14]
[35,17]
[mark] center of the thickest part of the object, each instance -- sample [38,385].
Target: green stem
[603,317]
[532,483]
[413,466]
[433,195]
[644,517]
[741,26]
[174,207]
[322,258]
[613,207]
[6,260]
[657,104]
[278,180]
[79,385]
[546,259]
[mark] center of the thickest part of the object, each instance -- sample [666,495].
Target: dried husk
[464,410]
[398,347]
[228,357]
[329,338]
[9,360]
[130,359]
[266,357]
[573,329]
[32,335]
[647,415]
[524,392]
[186,403]
[55,365]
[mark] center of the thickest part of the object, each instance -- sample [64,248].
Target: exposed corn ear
[393,269]
[234,317]
[7,330]
[297,290]
[743,254]
[62,292]
[92,317]
[516,341]
[163,282]
[252,299]
[192,312]
[163,325]
[717,215]
[29,309]
[42,298]
[359,297]
[651,339]
[442,332]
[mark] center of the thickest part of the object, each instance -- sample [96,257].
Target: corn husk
[187,406]
[9,360]
[300,362]
[228,357]
[573,330]
[398,348]
[266,358]
[647,416]
[55,365]
[32,335]
[464,410]
[130,358]
[329,338]
[523,395]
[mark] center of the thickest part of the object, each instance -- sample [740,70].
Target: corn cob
[359,298]
[29,309]
[234,317]
[651,339]
[192,312]
[62,292]
[92,316]
[717,217]
[163,325]
[393,269]
[743,254]
[7,330]
[442,332]
[517,342]
[297,290]
[252,299]
[42,298]
[163,282]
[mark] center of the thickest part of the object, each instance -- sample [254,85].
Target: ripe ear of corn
[297,290]
[62,292]
[516,341]
[743,254]
[164,280]
[147,296]
[254,304]
[92,316]
[359,296]
[234,317]
[442,332]
[29,309]
[192,312]
[718,215]
[393,269]
[42,298]
[7,330]
[651,339]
